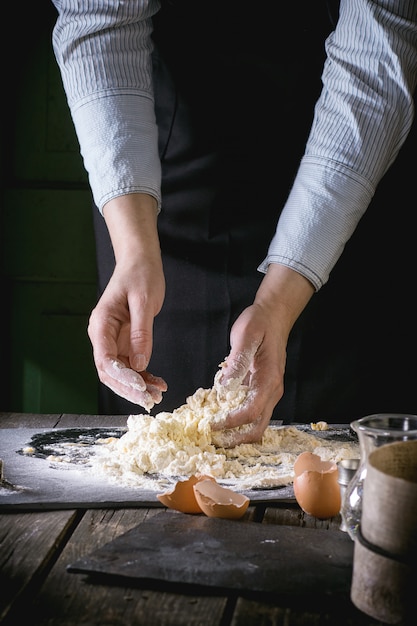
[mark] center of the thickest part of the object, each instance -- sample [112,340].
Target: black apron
[235,93]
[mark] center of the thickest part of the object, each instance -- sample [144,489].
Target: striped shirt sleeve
[361,120]
[104,50]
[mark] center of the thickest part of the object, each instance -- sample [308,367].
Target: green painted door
[47,262]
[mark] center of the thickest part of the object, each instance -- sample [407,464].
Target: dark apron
[234,104]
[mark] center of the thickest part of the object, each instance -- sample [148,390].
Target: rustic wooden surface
[36,548]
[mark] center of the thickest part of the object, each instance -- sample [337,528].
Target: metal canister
[346,471]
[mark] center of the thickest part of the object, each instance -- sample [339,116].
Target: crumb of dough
[28,450]
[182,443]
[319,426]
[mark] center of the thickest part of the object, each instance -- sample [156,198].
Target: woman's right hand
[121,325]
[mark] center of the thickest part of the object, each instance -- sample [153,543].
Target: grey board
[227,554]
[40,484]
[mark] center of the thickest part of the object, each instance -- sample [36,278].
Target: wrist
[132,224]
[284,293]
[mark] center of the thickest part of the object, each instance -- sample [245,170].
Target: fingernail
[139,362]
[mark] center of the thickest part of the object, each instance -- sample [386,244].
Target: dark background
[47,254]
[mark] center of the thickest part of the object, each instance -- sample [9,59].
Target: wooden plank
[68,420]
[57,420]
[237,555]
[28,543]
[28,420]
[68,599]
[253,613]
[292,515]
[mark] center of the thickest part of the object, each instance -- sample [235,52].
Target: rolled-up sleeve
[361,121]
[104,52]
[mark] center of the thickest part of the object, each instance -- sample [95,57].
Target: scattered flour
[162,449]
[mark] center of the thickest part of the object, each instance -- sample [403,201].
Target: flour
[156,451]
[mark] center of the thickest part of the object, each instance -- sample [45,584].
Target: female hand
[258,352]
[121,325]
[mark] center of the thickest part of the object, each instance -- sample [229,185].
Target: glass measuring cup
[373,431]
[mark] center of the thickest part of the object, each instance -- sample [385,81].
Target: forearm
[283,294]
[132,223]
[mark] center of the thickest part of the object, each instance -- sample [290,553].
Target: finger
[246,412]
[250,433]
[141,336]
[261,399]
[155,386]
[243,416]
[154,381]
[144,389]
[125,382]
[142,398]
[236,365]
[117,371]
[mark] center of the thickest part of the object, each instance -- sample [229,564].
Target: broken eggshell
[316,486]
[217,501]
[182,497]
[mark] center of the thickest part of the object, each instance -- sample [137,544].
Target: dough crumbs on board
[156,451]
[319,426]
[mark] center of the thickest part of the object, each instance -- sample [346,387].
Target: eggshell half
[217,501]
[182,497]
[316,486]
[309,461]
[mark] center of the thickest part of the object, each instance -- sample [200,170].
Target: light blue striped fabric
[362,118]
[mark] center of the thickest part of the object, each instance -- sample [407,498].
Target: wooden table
[37,546]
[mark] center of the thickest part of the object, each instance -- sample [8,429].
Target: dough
[156,451]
